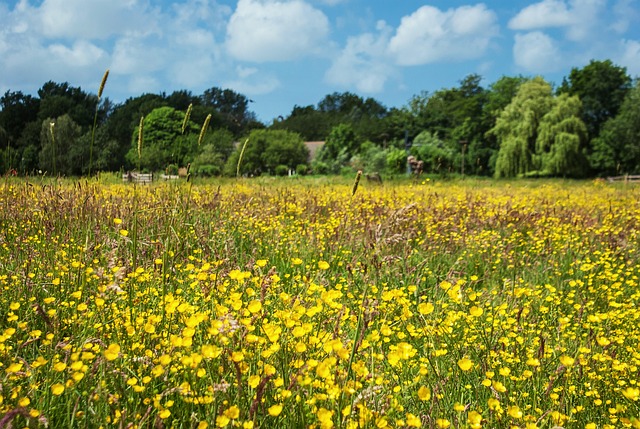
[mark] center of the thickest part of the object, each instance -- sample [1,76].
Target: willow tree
[539,133]
[562,137]
[516,128]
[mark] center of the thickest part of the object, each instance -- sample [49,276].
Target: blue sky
[282,53]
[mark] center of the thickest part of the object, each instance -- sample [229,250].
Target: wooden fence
[627,178]
[137,177]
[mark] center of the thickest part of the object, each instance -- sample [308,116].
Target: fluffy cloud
[362,63]
[274,30]
[536,52]
[578,17]
[72,18]
[430,35]
[65,40]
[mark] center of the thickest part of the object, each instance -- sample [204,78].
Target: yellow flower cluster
[280,305]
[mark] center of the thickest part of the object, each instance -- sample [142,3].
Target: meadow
[273,303]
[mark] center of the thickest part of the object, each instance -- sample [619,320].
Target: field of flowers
[295,304]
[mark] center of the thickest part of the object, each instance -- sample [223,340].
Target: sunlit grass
[301,303]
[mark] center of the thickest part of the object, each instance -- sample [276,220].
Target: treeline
[517,126]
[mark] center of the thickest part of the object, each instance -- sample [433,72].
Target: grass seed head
[103,83]
[187,116]
[140,136]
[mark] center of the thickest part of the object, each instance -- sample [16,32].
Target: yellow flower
[476,311]
[57,389]
[222,421]
[474,419]
[631,393]
[413,421]
[567,360]
[13,368]
[515,412]
[124,232]
[112,352]
[425,308]
[254,380]
[443,423]
[117,221]
[424,393]
[254,306]
[232,412]
[326,417]
[261,262]
[465,364]
[275,410]
[323,265]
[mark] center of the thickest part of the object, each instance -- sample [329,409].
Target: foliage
[539,133]
[438,157]
[617,149]
[267,149]
[342,140]
[562,138]
[163,142]
[601,86]
[59,154]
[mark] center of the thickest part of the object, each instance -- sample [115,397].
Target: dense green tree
[438,157]
[539,133]
[601,86]
[231,109]
[617,149]
[123,122]
[163,143]
[562,138]
[310,123]
[58,137]
[266,150]
[57,99]
[516,128]
[16,110]
[342,140]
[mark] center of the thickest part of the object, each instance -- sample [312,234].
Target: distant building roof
[313,147]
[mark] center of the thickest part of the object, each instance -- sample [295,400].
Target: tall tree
[539,133]
[232,109]
[602,86]
[617,148]
[163,142]
[58,138]
[516,128]
[16,110]
[562,137]
[266,150]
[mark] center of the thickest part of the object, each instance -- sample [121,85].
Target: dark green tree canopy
[266,150]
[617,149]
[601,86]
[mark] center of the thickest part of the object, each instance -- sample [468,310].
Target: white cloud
[578,17]
[430,35]
[81,54]
[275,30]
[363,63]
[259,86]
[625,13]
[630,57]
[65,40]
[104,18]
[536,52]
